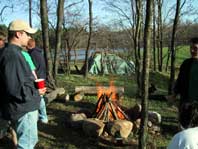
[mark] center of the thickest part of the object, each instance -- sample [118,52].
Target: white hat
[20,25]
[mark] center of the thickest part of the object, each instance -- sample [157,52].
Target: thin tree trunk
[160,35]
[145,75]
[172,73]
[154,38]
[45,36]
[30,12]
[60,14]
[168,57]
[136,45]
[89,38]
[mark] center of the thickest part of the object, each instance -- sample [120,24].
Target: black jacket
[39,62]
[182,82]
[17,89]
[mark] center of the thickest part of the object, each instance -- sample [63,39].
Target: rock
[76,119]
[137,123]
[93,127]
[156,129]
[154,117]
[121,127]
[149,124]
[67,97]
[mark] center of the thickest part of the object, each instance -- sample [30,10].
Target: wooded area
[143,29]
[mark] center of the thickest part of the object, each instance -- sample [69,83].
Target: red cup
[40,83]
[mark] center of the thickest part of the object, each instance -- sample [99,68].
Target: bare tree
[154,37]
[30,12]
[89,37]
[145,75]
[134,20]
[3,9]
[160,35]
[72,39]
[45,36]
[137,38]
[175,24]
[60,16]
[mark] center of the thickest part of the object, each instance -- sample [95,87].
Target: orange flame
[110,91]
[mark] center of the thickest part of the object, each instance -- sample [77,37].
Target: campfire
[107,107]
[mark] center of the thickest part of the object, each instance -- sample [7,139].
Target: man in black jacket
[187,83]
[19,98]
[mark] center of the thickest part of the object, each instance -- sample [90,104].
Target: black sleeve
[178,83]
[39,62]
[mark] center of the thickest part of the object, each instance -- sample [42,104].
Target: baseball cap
[20,25]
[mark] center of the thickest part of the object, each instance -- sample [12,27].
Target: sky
[11,14]
[21,11]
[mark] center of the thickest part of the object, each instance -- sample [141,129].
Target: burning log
[108,109]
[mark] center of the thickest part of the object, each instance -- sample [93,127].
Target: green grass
[58,135]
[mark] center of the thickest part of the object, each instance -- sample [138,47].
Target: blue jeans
[42,111]
[26,130]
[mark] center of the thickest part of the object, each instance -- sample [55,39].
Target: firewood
[113,110]
[78,96]
[93,90]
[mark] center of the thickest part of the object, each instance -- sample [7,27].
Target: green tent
[108,63]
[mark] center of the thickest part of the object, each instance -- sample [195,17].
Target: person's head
[19,33]
[194,47]
[2,39]
[31,44]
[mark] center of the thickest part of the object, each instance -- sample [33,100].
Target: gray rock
[120,127]
[93,127]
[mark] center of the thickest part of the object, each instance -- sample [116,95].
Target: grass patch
[57,135]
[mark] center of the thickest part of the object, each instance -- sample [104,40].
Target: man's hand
[42,91]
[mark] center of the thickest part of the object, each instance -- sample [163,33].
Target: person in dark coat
[39,61]
[20,99]
[187,83]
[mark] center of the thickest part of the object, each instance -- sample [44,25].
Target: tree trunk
[167,61]
[89,38]
[160,35]
[136,45]
[60,14]
[68,57]
[30,13]
[45,36]
[145,75]
[172,73]
[154,38]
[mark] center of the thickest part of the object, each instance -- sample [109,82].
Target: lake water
[81,53]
